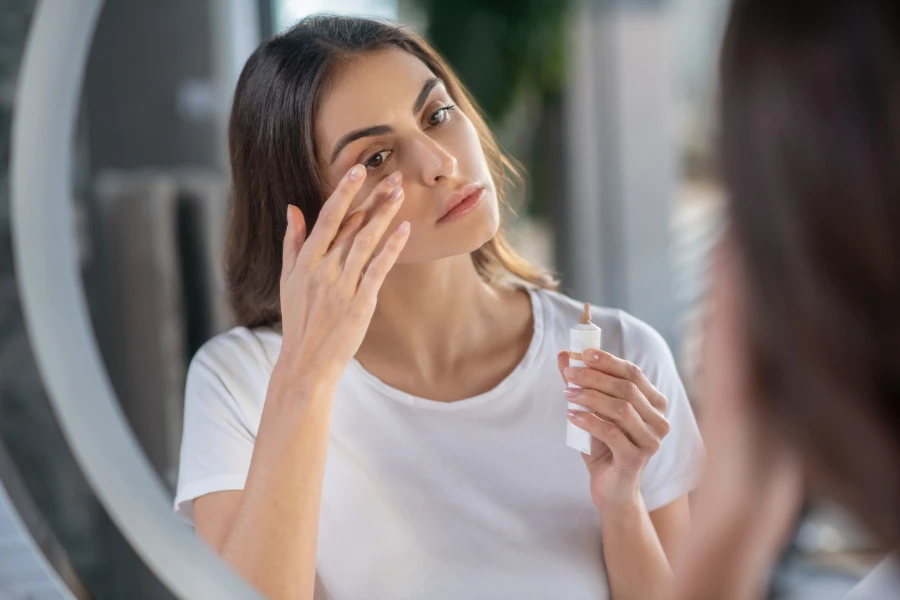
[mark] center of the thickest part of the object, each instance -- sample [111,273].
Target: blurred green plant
[501,48]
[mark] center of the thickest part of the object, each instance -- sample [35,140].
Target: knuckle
[606,360]
[621,409]
[664,427]
[364,241]
[369,302]
[328,217]
[630,391]
[364,306]
[653,446]
[375,270]
[613,433]
[632,371]
[355,220]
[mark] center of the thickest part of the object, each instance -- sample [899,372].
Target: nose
[435,161]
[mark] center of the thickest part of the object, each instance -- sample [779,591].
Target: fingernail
[395,194]
[356,173]
[571,372]
[575,415]
[591,355]
[404,228]
[290,219]
[394,178]
[570,393]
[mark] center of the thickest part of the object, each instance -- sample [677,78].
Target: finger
[352,225]
[620,412]
[368,238]
[342,244]
[332,214]
[381,265]
[623,369]
[294,235]
[374,198]
[608,433]
[587,377]
[562,361]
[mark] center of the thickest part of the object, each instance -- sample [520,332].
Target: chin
[476,239]
[475,232]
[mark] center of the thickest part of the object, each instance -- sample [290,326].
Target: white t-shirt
[477,499]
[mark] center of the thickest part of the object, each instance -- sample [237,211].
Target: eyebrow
[383,129]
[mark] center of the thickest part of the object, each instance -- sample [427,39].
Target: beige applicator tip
[586,315]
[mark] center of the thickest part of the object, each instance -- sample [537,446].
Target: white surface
[57,318]
[478,498]
[622,158]
[24,573]
[289,12]
[881,584]
[581,337]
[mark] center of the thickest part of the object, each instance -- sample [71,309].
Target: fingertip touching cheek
[389,112]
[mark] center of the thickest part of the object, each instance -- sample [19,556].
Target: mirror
[446,469]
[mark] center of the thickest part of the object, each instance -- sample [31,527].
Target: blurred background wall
[608,105]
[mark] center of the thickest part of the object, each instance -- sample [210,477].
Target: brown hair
[810,127]
[274,160]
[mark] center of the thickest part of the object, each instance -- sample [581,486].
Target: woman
[440,408]
[802,372]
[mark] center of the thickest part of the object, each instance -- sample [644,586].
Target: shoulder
[239,362]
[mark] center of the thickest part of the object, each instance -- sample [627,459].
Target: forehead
[376,88]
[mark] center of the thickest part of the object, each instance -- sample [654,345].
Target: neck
[429,316]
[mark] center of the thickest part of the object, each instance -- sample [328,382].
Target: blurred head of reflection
[336,92]
[801,369]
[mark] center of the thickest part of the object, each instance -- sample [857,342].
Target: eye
[441,116]
[377,160]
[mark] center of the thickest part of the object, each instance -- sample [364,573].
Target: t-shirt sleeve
[675,469]
[217,442]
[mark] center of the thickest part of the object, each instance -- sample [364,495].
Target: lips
[461,202]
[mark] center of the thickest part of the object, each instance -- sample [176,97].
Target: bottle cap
[586,315]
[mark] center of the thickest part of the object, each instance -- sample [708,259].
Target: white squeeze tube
[581,337]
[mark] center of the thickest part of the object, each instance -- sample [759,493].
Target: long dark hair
[274,161]
[810,140]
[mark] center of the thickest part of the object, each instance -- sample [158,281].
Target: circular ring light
[57,318]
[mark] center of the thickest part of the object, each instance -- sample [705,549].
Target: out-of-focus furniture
[159,240]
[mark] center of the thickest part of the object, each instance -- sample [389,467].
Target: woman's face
[386,110]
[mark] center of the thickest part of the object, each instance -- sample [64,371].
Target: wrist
[303,382]
[622,508]
[302,370]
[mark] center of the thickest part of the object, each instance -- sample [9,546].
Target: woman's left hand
[626,419]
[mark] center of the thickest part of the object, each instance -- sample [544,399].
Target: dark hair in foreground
[274,161]
[810,126]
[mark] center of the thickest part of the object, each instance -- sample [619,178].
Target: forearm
[272,540]
[635,561]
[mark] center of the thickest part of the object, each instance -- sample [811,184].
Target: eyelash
[444,109]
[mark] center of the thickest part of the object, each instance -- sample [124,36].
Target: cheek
[471,154]
[362,199]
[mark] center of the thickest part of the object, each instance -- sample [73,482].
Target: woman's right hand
[330,281]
